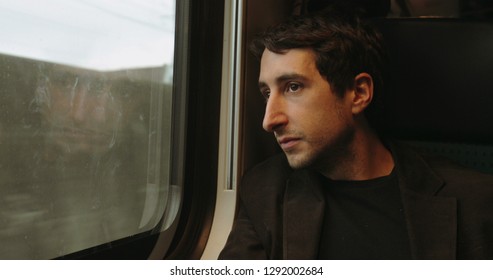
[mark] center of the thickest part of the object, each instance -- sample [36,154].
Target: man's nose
[275,116]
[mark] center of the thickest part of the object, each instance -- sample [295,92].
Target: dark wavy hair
[344,44]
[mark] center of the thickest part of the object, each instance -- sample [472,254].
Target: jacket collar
[304,206]
[431,220]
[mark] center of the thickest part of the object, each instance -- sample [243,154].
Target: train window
[85,123]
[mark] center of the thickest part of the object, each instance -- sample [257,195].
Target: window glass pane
[85,120]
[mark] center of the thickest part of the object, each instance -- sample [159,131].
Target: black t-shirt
[364,220]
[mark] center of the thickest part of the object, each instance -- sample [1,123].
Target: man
[339,191]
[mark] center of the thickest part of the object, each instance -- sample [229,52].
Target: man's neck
[367,158]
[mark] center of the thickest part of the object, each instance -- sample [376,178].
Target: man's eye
[293,87]
[266,94]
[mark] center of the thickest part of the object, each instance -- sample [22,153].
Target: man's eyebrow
[283,78]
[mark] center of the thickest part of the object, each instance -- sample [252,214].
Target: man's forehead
[289,53]
[292,63]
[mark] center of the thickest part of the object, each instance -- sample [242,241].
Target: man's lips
[287,143]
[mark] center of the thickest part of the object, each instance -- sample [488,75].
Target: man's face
[83,114]
[312,125]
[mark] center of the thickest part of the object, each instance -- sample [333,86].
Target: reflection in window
[84,143]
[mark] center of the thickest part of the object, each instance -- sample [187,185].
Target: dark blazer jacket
[448,210]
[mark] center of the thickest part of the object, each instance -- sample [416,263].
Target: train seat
[439,96]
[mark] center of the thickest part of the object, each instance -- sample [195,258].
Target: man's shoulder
[456,177]
[460,177]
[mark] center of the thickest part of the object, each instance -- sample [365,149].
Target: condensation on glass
[85,120]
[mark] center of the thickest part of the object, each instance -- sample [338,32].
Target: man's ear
[363,92]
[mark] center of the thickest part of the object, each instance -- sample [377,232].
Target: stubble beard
[332,156]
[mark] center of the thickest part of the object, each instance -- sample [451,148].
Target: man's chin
[297,161]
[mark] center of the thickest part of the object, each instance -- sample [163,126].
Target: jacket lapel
[432,226]
[431,220]
[303,216]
